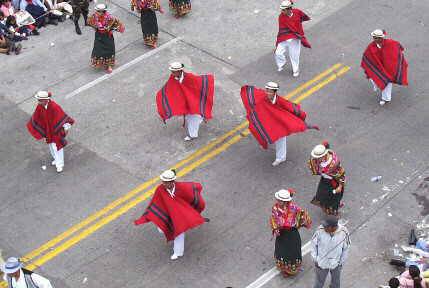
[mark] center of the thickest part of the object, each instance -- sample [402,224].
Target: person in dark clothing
[37,12]
[80,7]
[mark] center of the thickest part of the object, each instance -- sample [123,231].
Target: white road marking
[121,68]
[273,272]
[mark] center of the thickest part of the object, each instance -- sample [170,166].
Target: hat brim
[167,179]
[319,156]
[278,197]
[42,98]
[175,69]
[10,271]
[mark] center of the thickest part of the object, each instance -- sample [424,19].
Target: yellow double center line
[123,204]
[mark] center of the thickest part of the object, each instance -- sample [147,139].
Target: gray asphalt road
[118,143]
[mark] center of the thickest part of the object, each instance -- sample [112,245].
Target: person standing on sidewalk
[329,248]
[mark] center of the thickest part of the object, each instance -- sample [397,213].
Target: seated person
[62,9]
[7,8]
[7,46]
[411,278]
[37,11]
[16,33]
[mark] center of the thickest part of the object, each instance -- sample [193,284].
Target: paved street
[76,228]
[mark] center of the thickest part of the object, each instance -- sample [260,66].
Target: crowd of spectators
[20,19]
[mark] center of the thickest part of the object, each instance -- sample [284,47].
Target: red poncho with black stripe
[175,214]
[385,64]
[48,123]
[193,96]
[291,27]
[269,122]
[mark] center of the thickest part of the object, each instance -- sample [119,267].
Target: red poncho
[385,64]
[291,27]
[193,96]
[269,122]
[175,215]
[48,123]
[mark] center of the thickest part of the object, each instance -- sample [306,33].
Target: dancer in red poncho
[384,63]
[51,123]
[272,118]
[188,95]
[290,36]
[175,208]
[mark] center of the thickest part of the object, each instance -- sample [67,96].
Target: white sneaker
[187,138]
[382,102]
[277,162]
[296,74]
[53,163]
[175,256]
[60,169]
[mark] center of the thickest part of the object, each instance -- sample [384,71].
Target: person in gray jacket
[329,249]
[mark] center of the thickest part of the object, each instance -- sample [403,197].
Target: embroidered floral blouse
[331,169]
[289,216]
[145,4]
[105,23]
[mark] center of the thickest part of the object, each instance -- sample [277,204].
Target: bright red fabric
[385,64]
[193,96]
[48,123]
[268,122]
[175,215]
[291,27]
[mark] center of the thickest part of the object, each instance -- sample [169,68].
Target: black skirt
[149,26]
[288,247]
[327,200]
[103,52]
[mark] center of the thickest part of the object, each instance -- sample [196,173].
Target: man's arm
[315,246]
[41,281]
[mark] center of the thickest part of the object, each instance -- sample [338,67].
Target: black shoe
[78,31]
[35,32]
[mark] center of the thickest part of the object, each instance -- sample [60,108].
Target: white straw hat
[176,66]
[319,151]
[100,7]
[378,33]
[42,95]
[283,195]
[272,86]
[11,265]
[168,175]
[286,4]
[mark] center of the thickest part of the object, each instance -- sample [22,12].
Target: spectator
[16,33]
[7,8]
[411,278]
[6,45]
[394,283]
[37,11]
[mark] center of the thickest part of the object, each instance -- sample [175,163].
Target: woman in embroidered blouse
[149,23]
[103,53]
[326,163]
[286,218]
[180,7]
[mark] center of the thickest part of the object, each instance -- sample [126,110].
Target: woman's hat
[176,66]
[272,86]
[168,176]
[283,195]
[100,7]
[11,266]
[378,33]
[319,151]
[43,95]
[286,4]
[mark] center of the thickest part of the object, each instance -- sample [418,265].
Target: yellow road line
[186,170]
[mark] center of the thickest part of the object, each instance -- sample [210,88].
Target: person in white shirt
[18,277]
[329,249]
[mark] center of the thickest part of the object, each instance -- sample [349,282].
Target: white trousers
[294,48]
[281,148]
[178,243]
[58,155]
[193,122]
[386,94]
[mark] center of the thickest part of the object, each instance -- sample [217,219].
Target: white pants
[281,148]
[178,243]
[193,122]
[386,94]
[294,47]
[58,155]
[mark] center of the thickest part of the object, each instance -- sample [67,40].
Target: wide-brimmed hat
[43,95]
[330,221]
[11,265]
[286,4]
[283,195]
[176,66]
[168,175]
[100,7]
[319,151]
[378,33]
[272,86]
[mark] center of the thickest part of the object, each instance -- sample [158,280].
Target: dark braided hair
[415,274]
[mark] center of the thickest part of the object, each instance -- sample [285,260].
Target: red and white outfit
[50,122]
[290,38]
[271,121]
[189,95]
[385,64]
[175,211]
